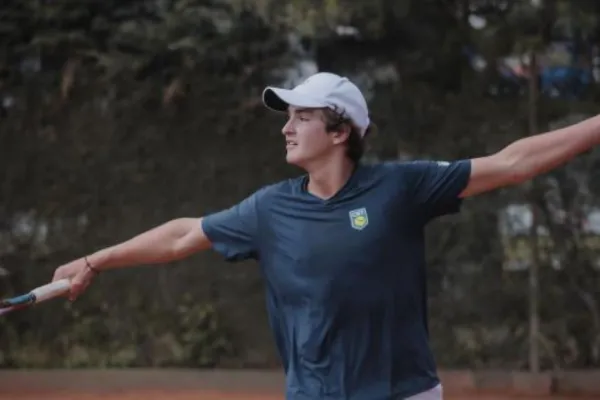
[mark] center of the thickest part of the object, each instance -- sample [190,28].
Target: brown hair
[356,143]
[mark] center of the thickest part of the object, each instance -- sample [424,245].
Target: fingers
[58,274]
[66,271]
[79,276]
[77,287]
[62,273]
[79,283]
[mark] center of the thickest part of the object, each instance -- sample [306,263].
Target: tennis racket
[37,295]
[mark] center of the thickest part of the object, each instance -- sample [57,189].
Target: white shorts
[431,394]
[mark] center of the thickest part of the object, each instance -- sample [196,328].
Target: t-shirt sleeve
[233,232]
[435,186]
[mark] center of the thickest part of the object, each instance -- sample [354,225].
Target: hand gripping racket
[37,295]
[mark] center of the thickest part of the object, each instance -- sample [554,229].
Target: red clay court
[266,385]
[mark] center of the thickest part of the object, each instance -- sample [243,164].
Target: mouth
[290,144]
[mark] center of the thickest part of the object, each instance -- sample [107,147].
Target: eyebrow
[302,111]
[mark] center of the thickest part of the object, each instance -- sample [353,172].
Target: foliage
[119,115]
[189,336]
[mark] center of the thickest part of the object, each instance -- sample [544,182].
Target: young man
[342,247]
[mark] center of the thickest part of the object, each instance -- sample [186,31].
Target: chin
[294,159]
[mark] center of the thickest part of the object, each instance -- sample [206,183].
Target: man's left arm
[529,157]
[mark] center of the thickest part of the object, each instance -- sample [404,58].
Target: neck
[327,179]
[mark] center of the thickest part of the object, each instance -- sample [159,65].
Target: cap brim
[280,99]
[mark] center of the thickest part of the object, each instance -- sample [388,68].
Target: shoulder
[419,166]
[396,166]
[382,177]
[283,187]
[393,168]
[420,172]
[403,165]
[379,169]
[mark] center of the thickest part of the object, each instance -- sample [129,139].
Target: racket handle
[51,290]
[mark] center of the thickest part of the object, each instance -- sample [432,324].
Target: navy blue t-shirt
[345,277]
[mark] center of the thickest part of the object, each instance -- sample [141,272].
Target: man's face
[306,138]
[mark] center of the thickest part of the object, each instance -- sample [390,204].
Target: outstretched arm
[171,241]
[231,232]
[529,157]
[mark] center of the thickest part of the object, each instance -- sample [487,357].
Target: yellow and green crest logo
[359,218]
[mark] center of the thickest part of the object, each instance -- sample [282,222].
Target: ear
[341,135]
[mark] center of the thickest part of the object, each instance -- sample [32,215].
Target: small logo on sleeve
[359,219]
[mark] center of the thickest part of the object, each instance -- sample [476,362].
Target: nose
[288,128]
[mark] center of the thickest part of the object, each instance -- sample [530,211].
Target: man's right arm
[168,242]
[231,232]
[172,241]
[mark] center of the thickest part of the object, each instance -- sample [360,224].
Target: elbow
[179,250]
[515,169]
[185,238]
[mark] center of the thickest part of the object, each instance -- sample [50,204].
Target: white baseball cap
[323,90]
